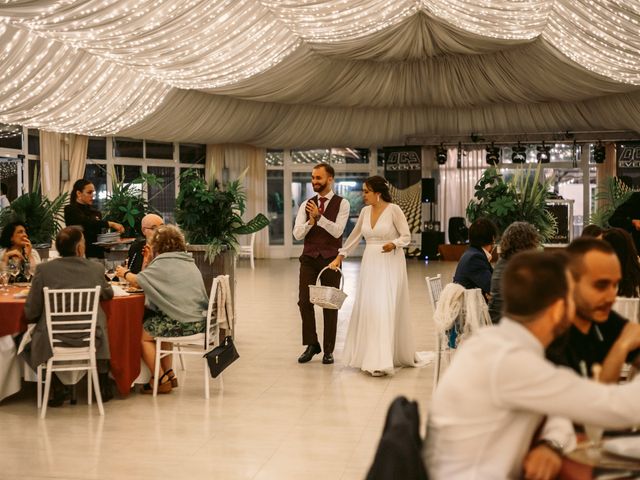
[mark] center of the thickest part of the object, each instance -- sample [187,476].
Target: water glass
[594,434]
[4,280]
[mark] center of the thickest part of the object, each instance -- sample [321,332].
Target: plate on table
[22,293]
[133,290]
[623,446]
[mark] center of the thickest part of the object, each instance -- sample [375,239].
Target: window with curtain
[456,186]
[275,206]
[97,174]
[163,197]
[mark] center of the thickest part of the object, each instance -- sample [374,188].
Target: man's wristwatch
[552,444]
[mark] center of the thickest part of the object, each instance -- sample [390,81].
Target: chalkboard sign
[562,211]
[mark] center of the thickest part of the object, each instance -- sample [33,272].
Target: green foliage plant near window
[522,198]
[42,216]
[126,203]
[612,193]
[211,214]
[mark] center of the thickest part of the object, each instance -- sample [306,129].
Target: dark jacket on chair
[398,455]
[474,270]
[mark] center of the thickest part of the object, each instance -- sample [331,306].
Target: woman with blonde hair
[175,298]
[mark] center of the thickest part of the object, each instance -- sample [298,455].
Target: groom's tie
[321,207]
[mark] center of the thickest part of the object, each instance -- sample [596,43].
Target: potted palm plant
[42,216]
[126,203]
[522,198]
[211,217]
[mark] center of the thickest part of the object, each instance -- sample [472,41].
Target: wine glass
[110,270]
[13,269]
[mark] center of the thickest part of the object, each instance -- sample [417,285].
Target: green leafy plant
[41,215]
[212,215]
[612,192]
[522,198]
[126,203]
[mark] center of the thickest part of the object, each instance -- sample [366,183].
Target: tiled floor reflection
[275,419]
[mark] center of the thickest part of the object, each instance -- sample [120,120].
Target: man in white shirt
[320,222]
[499,388]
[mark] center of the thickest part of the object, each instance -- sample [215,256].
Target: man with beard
[320,222]
[598,334]
[499,388]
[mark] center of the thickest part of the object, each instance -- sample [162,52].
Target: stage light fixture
[519,154]
[543,154]
[599,152]
[441,155]
[493,155]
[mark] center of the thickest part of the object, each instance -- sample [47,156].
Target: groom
[320,222]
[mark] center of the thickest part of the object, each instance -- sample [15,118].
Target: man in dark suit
[320,222]
[474,269]
[71,270]
[135,258]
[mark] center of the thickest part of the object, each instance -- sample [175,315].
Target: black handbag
[221,356]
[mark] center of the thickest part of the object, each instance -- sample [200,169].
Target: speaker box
[429,190]
[458,231]
[430,241]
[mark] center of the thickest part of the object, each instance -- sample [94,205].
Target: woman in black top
[81,213]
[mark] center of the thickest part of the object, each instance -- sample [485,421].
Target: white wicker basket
[327,297]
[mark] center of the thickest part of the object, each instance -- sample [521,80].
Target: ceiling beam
[481,139]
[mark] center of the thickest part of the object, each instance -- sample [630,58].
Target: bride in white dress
[380,336]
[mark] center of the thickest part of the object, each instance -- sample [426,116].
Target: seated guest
[499,387]
[517,237]
[597,334]
[592,231]
[175,296]
[17,249]
[136,255]
[622,243]
[627,217]
[71,270]
[474,268]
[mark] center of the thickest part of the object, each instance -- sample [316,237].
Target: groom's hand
[388,247]
[312,211]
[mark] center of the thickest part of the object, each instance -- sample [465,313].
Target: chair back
[247,248]
[434,286]
[629,308]
[71,316]
[218,305]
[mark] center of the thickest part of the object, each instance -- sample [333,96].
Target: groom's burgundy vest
[318,242]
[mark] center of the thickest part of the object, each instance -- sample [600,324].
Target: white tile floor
[275,419]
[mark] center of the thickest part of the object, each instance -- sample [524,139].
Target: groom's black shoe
[309,353]
[327,358]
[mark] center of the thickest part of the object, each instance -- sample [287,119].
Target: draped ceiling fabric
[316,73]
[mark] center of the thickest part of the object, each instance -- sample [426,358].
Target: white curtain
[50,156]
[231,161]
[456,187]
[308,74]
[76,153]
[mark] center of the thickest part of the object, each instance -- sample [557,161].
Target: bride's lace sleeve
[354,238]
[400,222]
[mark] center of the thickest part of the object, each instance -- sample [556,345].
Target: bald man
[149,224]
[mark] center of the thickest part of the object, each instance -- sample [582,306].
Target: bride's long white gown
[380,335]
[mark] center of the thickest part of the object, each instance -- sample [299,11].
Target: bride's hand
[335,264]
[388,247]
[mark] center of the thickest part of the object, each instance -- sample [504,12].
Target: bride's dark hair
[379,185]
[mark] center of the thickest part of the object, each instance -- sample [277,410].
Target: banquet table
[124,325]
